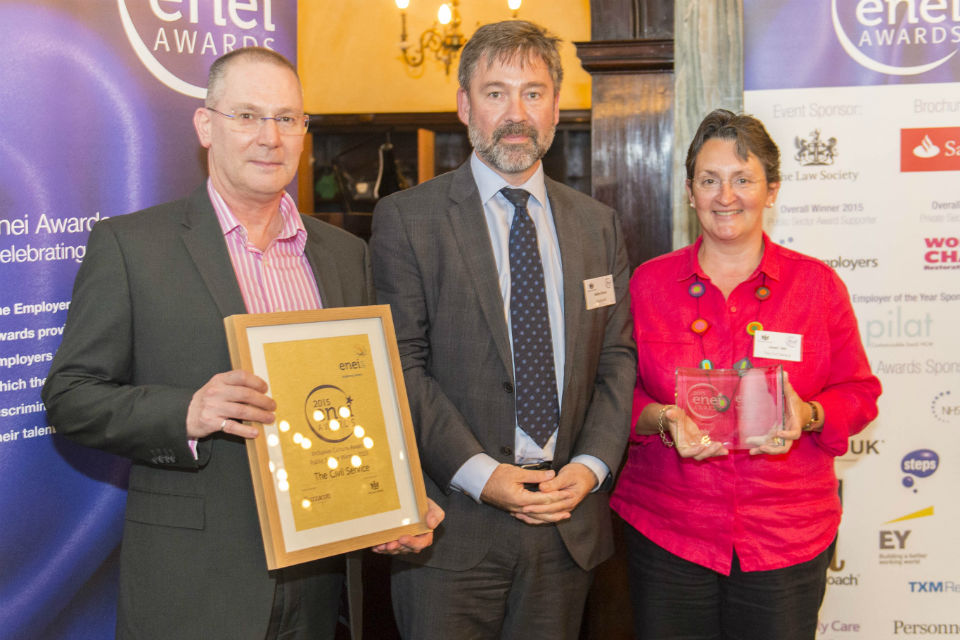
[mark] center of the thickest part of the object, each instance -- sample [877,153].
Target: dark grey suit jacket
[433,263]
[144,332]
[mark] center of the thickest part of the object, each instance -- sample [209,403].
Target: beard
[511,158]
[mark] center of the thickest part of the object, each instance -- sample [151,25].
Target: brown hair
[507,41]
[749,134]
[219,68]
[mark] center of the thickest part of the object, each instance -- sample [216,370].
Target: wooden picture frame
[338,470]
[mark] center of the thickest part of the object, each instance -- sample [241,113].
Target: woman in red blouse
[734,543]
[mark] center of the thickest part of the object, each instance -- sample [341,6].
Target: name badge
[778,346]
[599,292]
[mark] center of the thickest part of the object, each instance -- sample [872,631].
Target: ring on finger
[223,424]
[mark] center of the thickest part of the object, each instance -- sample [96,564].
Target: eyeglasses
[251,121]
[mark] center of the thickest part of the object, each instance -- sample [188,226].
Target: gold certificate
[331,427]
[338,468]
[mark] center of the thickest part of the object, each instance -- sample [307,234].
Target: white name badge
[599,292]
[778,346]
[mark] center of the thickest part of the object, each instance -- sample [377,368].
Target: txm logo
[933,586]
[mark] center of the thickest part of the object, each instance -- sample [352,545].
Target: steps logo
[930,149]
[902,38]
[177,40]
[921,463]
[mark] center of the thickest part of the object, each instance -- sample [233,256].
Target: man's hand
[414,544]
[226,400]
[505,490]
[569,487]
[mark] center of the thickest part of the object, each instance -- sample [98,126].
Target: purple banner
[97,101]
[837,43]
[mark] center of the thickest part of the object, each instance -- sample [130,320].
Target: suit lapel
[569,236]
[473,238]
[203,238]
[325,272]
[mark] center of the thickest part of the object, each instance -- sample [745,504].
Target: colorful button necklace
[700,326]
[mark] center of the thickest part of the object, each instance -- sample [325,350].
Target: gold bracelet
[814,417]
[663,435]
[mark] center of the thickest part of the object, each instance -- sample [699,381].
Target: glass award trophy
[740,408]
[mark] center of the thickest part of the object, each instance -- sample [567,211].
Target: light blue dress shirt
[473,475]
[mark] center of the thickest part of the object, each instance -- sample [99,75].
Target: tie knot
[517,197]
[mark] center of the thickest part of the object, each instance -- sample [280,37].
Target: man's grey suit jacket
[433,263]
[144,332]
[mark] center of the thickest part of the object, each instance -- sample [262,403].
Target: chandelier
[444,38]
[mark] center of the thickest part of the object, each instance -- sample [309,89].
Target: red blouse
[778,510]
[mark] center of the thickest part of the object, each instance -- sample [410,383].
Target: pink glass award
[741,408]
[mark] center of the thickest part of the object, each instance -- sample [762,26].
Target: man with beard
[508,293]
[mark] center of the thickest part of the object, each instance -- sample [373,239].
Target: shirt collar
[489,182]
[769,265]
[292,224]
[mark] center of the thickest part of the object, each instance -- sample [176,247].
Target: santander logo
[902,29]
[930,149]
[177,40]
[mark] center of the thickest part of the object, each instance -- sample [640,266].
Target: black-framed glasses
[251,121]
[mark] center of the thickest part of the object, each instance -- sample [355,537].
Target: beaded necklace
[700,325]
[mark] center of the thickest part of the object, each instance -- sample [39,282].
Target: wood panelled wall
[631,61]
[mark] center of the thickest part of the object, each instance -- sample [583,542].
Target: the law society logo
[930,149]
[177,40]
[815,150]
[903,38]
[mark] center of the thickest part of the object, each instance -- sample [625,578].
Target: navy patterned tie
[533,366]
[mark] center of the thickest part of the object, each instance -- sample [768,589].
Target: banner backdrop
[97,99]
[862,97]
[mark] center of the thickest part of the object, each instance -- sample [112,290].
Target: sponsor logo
[901,327]
[814,151]
[904,38]
[933,586]
[921,463]
[176,41]
[893,543]
[863,447]
[944,407]
[838,625]
[852,264]
[930,149]
[901,627]
[941,253]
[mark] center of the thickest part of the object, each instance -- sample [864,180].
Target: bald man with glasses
[144,372]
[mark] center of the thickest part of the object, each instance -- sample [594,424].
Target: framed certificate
[338,470]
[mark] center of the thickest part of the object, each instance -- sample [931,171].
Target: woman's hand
[687,437]
[798,414]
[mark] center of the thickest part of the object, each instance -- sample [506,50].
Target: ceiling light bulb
[444,14]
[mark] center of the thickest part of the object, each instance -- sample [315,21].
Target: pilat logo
[176,40]
[897,37]
[930,149]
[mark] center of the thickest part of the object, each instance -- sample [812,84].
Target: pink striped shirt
[279,278]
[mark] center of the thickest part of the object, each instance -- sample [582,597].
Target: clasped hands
[689,441]
[229,399]
[558,496]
